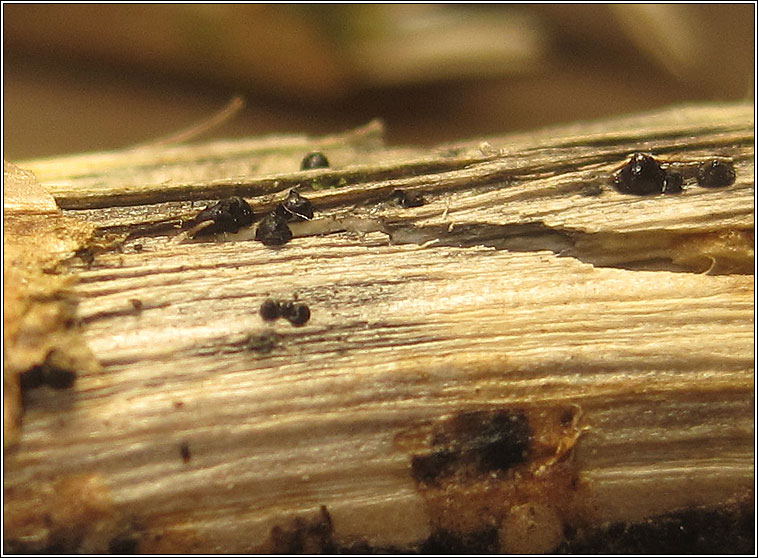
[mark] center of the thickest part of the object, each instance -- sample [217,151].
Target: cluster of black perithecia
[295,312]
[274,230]
[644,175]
[227,215]
[231,214]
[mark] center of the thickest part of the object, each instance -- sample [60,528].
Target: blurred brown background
[91,77]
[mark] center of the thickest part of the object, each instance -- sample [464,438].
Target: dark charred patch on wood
[125,543]
[51,373]
[475,468]
[304,535]
[440,541]
[427,468]
[445,542]
[86,255]
[58,378]
[698,531]
[263,343]
[478,441]
[32,378]
[591,190]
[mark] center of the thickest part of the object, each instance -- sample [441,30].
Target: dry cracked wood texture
[529,362]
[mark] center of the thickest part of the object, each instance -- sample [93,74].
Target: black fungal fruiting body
[228,215]
[273,230]
[286,308]
[269,310]
[296,313]
[641,176]
[407,199]
[295,208]
[315,160]
[716,174]
[672,183]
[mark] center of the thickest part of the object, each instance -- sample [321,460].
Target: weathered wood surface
[618,329]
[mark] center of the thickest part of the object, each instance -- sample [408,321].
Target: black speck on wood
[407,199]
[184,450]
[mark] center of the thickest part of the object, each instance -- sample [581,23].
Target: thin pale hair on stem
[230,110]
